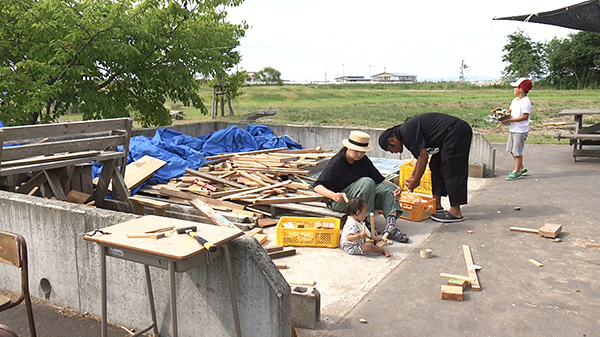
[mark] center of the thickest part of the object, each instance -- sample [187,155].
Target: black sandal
[396,235]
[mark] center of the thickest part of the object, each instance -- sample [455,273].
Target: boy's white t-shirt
[518,107]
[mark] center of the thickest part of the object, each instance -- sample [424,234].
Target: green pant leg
[363,188]
[385,200]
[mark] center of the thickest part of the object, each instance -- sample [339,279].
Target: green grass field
[379,106]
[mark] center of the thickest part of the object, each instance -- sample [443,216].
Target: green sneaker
[524,171]
[514,176]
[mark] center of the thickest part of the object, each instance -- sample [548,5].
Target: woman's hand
[339,197]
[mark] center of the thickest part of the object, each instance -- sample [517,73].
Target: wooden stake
[472,272]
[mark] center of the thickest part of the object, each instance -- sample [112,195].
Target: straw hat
[358,141]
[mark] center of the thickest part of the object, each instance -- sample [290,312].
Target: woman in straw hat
[351,174]
[448,140]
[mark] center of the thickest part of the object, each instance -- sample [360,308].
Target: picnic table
[584,135]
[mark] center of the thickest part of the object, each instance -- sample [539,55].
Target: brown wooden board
[176,246]
[452,293]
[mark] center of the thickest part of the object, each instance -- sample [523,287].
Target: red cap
[523,83]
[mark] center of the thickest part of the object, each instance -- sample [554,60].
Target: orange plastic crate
[425,187]
[416,207]
[309,235]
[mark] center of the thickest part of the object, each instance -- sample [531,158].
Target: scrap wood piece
[284,200]
[172,192]
[215,217]
[254,232]
[256,190]
[213,178]
[282,253]
[139,171]
[77,197]
[457,277]
[548,230]
[535,263]
[452,293]
[261,238]
[592,245]
[266,222]
[470,268]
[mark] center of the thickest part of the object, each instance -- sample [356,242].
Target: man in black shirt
[351,174]
[448,140]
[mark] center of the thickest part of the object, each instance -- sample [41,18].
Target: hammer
[191,231]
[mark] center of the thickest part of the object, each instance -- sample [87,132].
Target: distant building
[352,79]
[394,78]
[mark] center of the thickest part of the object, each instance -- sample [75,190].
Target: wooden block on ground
[275,248]
[452,293]
[254,232]
[282,253]
[262,238]
[266,222]
[535,263]
[458,283]
[550,230]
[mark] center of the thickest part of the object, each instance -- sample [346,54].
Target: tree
[464,69]
[574,63]
[525,58]
[109,58]
[269,76]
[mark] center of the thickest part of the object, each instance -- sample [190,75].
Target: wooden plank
[210,213]
[255,190]
[213,178]
[44,159]
[254,232]
[140,171]
[282,253]
[522,229]
[283,200]
[262,238]
[190,196]
[64,129]
[55,184]
[266,222]
[457,277]
[58,164]
[77,197]
[74,145]
[471,271]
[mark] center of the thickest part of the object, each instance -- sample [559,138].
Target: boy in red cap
[520,108]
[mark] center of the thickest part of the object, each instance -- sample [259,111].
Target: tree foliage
[109,58]
[574,63]
[269,76]
[525,58]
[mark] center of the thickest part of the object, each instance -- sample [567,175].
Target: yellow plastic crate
[406,170]
[306,234]
[416,207]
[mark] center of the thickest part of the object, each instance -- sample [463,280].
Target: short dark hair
[355,205]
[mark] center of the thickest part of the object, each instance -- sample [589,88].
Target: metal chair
[13,252]
[7,332]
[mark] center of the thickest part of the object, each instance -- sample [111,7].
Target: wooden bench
[50,153]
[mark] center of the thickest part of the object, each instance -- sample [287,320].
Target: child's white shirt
[518,107]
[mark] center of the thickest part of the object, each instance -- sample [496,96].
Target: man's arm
[415,179]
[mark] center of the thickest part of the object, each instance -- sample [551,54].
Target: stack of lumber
[243,187]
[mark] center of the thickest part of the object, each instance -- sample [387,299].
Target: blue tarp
[181,151]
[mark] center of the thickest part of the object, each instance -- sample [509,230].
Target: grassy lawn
[382,107]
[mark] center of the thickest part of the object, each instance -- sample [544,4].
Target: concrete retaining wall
[53,231]
[330,138]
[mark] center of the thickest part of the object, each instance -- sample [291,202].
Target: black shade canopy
[583,16]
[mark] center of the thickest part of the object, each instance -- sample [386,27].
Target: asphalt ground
[403,298]
[516,297]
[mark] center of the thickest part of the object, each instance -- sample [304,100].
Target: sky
[319,40]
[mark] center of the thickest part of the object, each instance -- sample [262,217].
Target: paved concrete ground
[401,295]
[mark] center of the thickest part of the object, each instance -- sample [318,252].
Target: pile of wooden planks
[243,186]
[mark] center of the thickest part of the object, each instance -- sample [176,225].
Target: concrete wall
[53,231]
[330,138]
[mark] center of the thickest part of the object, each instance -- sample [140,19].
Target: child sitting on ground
[355,231]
